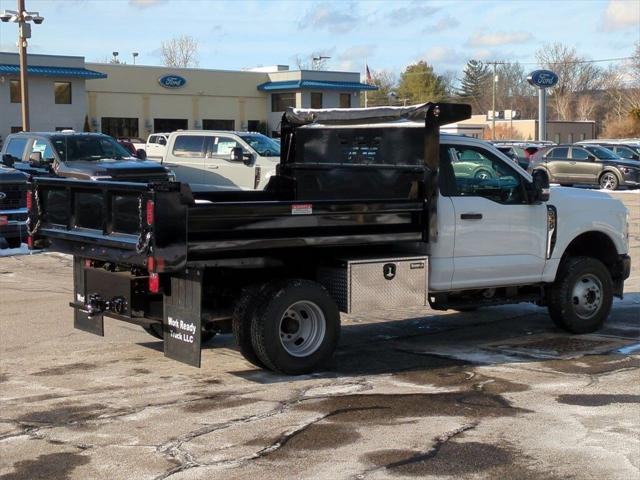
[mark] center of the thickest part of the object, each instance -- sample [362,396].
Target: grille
[15,196]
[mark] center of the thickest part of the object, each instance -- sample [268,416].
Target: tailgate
[118,222]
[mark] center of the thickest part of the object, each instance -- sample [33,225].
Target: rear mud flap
[81,319]
[183,318]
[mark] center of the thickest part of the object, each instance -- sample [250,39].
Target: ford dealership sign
[542,78]
[172,81]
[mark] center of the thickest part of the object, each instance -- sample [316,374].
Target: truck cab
[211,160]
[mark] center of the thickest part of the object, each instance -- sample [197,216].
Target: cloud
[622,14]
[145,3]
[415,11]
[445,23]
[498,39]
[353,58]
[324,16]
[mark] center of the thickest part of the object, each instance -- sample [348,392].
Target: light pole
[22,18]
[134,55]
[115,57]
[316,60]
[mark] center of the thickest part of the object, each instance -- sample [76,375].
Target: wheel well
[610,170]
[595,245]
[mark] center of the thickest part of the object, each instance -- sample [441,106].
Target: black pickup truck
[13,207]
[353,189]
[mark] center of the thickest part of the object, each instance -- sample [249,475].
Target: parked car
[138,143]
[515,153]
[84,156]
[585,165]
[623,151]
[13,207]
[131,148]
[211,160]
[156,145]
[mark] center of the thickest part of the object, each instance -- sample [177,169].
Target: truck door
[585,169]
[218,163]
[499,238]
[185,157]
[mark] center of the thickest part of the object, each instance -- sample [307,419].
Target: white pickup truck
[211,160]
[369,209]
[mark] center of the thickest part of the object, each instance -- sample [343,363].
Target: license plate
[4,220]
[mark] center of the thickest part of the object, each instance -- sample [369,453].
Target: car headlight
[625,170]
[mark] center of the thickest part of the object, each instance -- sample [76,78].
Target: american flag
[367,74]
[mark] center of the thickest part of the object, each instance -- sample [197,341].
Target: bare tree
[314,61]
[386,82]
[180,52]
[585,107]
[574,75]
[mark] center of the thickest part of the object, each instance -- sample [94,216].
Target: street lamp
[22,18]
[115,57]
[316,60]
[134,55]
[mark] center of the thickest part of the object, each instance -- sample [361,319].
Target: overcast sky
[387,34]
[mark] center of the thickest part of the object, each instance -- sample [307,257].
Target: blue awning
[314,84]
[43,71]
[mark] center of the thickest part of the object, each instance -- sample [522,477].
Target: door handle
[471,216]
[212,167]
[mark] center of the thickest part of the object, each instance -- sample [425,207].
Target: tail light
[30,242]
[150,212]
[154,283]
[155,264]
[29,199]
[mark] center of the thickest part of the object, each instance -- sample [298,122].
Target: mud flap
[183,318]
[81,319]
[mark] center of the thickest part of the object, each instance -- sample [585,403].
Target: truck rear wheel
[297,327]
[250,300]
[581,297]
[155,330]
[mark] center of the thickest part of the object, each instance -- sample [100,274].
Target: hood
[11,175]
[582,197]
[623,162]
[119,169]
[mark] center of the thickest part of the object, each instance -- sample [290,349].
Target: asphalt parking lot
[498,393]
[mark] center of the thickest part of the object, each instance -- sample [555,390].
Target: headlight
[625,170]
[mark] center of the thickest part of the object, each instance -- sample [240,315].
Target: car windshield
[602,153]
[262,144]
[88,147]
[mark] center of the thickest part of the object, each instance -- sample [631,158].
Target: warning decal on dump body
[302,209]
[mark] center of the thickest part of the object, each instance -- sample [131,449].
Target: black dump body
[346,177]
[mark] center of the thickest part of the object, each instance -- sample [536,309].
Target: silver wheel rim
[608,181]
[302,328]
[482,175]
[587,296]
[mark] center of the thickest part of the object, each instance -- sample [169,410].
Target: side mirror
[591,158]
[35,159]
[236,154]
[141,154]
[540,187]
[8,160]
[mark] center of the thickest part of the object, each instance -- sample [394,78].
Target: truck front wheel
[297,327]
[580,299]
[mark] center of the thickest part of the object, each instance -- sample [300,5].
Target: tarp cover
[303,116]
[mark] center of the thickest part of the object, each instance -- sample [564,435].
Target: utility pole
[22,18]
[493,103]
[24,32]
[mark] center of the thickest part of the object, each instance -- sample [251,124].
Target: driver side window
[44,148]
[221,147]
[477,172]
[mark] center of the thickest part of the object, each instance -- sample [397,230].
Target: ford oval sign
[542,78]
[172,81]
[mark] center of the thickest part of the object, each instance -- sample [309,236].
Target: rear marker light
[154,282]
[151,264]
[30,242]
[29,200]
[150,206]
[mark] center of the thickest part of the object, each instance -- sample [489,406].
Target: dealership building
[135,100]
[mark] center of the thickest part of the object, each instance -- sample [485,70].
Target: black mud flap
[81,319]
[183,318]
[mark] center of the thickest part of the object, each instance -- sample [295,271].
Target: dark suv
[585,165]
[85,156]
[13,207]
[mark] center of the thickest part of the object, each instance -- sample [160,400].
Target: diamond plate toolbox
[363,285]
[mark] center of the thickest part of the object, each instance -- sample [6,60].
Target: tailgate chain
[32,231]
[144,239]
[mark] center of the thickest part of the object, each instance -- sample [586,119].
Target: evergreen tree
[475,85]
[419,84]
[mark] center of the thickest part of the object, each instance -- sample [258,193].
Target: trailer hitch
[97,305]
